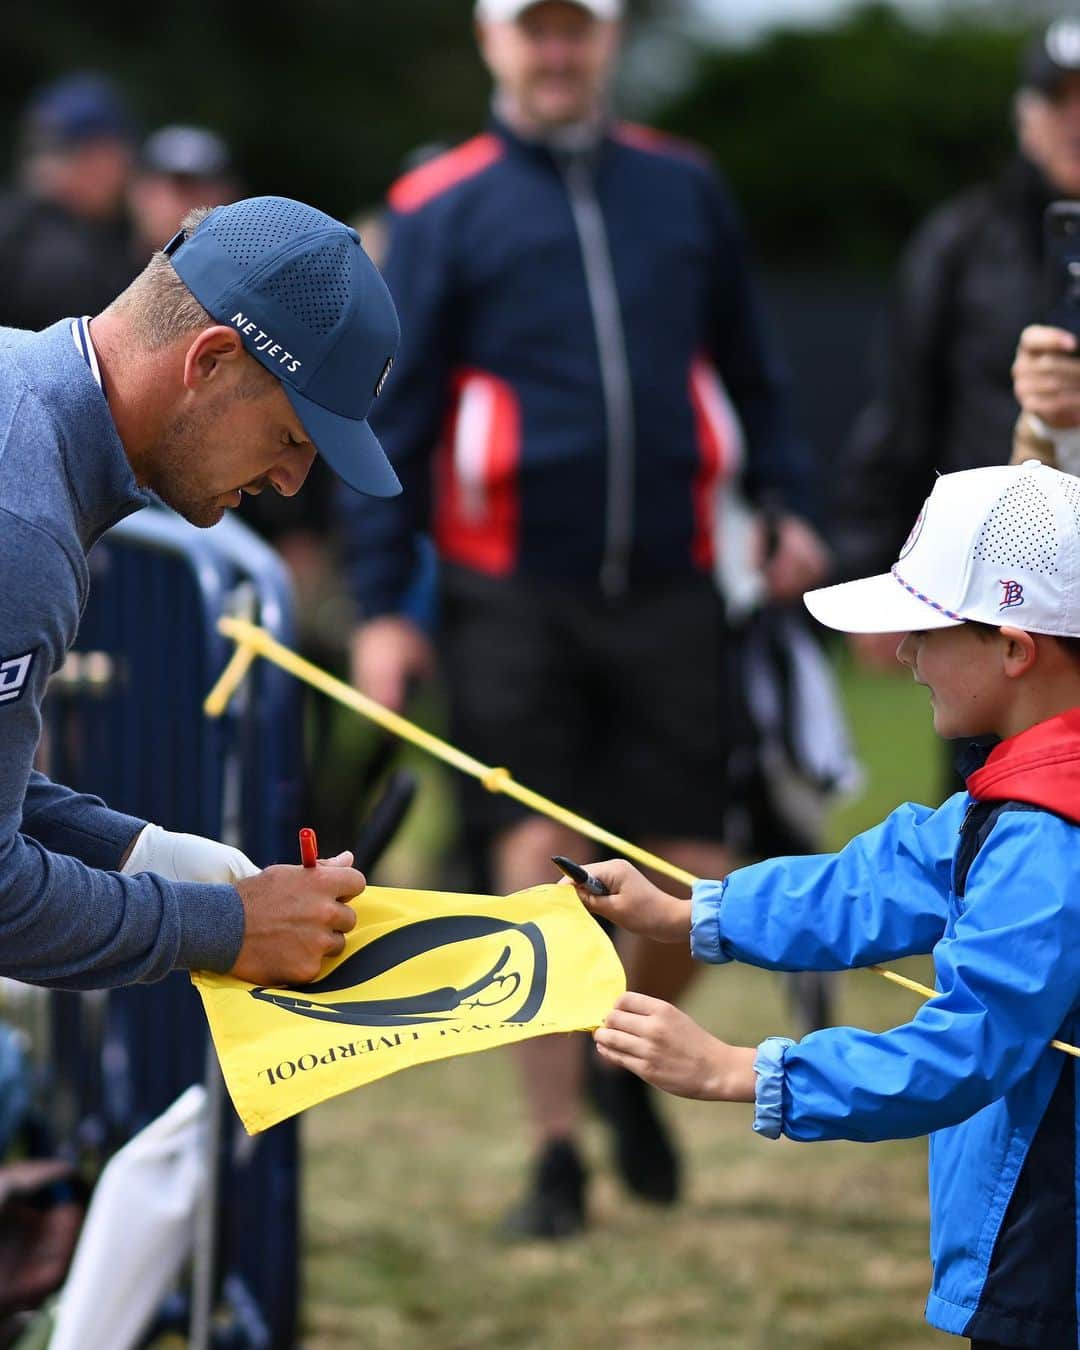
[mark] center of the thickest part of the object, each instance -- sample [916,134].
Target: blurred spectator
[1046,380]
[574,296]
[970,281]
[179,168]
[64,240]
[370,223]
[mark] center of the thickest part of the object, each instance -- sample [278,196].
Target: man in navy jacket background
[582,370]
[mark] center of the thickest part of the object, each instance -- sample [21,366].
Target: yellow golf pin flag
[424,975]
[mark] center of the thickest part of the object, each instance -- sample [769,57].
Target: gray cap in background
[508,11]
[190,152]
[1051,56]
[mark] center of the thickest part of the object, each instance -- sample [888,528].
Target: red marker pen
[309,847]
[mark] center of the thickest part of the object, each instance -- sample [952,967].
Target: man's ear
[1019,651]
[213,356]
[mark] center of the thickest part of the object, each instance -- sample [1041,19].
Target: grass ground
[776,1244]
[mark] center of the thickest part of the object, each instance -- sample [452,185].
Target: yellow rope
[917,988]
[258,642]
[252,641]
[229,680]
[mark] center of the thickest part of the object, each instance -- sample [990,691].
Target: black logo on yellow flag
[401,979]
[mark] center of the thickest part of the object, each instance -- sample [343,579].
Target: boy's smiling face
[964,669]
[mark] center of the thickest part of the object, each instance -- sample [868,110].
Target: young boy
[987,592]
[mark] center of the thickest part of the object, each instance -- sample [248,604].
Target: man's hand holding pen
[296,917]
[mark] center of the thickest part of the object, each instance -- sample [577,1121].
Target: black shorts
[618,710]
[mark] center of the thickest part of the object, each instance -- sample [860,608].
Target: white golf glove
[187,857]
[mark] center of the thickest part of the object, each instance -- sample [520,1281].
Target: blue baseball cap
[310,306]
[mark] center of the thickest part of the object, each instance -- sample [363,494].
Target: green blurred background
[836,138]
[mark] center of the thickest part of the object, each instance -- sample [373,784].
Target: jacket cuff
[706,898]
[211,926]
[769,1092]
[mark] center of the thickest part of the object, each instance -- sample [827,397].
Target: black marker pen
[579,876]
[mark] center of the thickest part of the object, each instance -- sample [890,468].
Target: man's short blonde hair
[158,309]
[157,306]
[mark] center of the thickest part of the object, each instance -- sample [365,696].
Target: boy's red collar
[1040,765]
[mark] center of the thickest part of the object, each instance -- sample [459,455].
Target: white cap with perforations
[999,545]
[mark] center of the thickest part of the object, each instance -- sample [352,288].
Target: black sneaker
[554,1207]
[645,1154]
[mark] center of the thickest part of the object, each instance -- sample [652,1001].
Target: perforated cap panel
[264,224]
[1071,489]
[316,287]
[1020,531]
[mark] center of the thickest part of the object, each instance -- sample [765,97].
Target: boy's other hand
[635,904]
[661,1044]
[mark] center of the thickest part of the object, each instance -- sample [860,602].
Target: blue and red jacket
[576,329]
[989,883]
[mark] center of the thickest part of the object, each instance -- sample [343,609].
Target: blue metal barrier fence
[124,720]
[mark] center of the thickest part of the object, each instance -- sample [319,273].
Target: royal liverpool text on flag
[425,975]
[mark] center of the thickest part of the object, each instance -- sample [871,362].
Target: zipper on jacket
[614,369]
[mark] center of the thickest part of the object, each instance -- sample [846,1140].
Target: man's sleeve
[69,926]
[62,922]
[881,897]
[779,470]
[887,466]
[76,823]
[378,535]
[1008,977]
